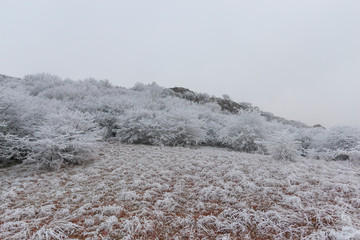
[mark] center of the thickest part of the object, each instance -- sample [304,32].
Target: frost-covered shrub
[354,155]
[17,120]
[307,137]
[283,146]
[213,123]
[203,98]
[139,87]
[338,138]
[71,91]
[12,149]
[150,91]
[39,82]
[161,120]
[171,128]
[107,121]
[331,143]
[244,131]
[37,126]
[22,112]
[325,154]
[66,137]
[338,155]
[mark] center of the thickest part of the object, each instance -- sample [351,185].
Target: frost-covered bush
[71,91]
[35,126]
[151,91]
[338,138]
[213,122]
[159,119]
[39,82]
[338,155]
[282,145]
[171,128]
[12,149]
[354,155]
[307,138]
[337,143]
[324,154]
[66,137]
[16,121]
[22,112]
[244,131]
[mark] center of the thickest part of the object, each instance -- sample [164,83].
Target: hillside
[150,192]
[230,106]
[54,123]
[226,103]
[2,77]
[88,160]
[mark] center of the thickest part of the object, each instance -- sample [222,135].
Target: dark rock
[342,157]
[181,90]
[318,126]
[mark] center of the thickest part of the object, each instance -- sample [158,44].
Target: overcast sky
[297,59]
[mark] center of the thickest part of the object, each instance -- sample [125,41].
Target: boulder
[319,126]
[342,157]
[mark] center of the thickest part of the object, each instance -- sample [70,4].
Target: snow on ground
[147,192]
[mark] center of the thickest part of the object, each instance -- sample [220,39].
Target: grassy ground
[147,192]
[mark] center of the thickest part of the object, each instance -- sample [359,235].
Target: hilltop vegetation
[54,122]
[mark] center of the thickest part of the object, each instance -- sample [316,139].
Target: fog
[297,59]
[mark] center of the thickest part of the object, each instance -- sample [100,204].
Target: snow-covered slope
[151,192]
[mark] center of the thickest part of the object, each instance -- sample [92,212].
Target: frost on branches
[66,137]
[283,146]
[57,122]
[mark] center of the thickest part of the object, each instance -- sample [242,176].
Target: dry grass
[146,192]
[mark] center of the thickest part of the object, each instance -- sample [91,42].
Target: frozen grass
[147,192]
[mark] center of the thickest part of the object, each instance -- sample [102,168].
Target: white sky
[297,59]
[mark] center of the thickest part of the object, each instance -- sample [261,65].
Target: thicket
[57,122]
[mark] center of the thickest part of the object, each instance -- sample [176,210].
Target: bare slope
[147,192]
